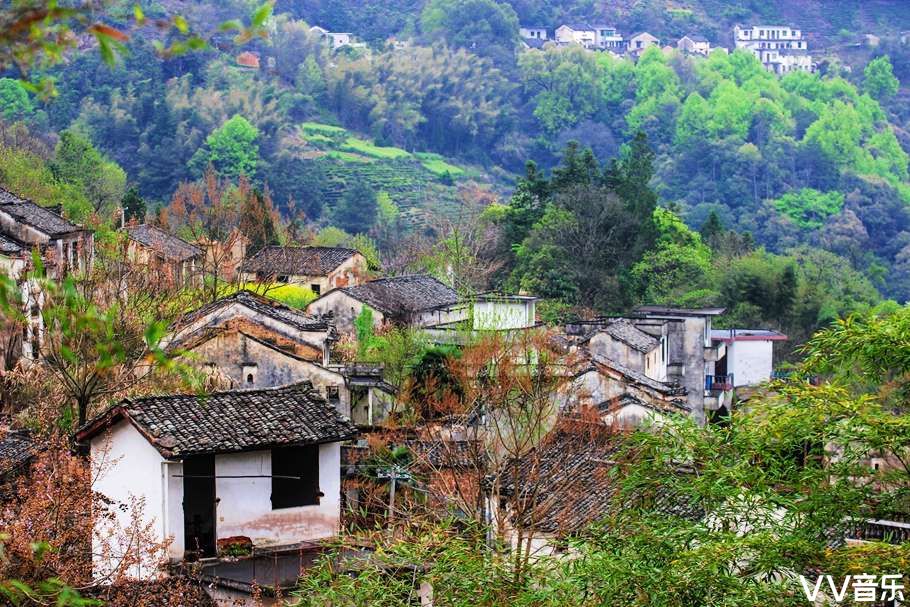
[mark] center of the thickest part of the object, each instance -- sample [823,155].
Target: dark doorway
[199,506]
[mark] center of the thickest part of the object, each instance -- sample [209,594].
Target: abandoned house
[620,340]
[173,259]
[63,247]
[258,464]
[17,451]
[416,301]
[485,312]
[247,341]
[622,396]
[318,268]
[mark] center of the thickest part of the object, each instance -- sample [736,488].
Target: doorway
[199,507]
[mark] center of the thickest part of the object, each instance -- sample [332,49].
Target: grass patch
[437,165]
[325,129]
[317,138]
[348,156]
[352,144]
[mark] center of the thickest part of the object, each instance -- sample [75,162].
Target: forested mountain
[443,103]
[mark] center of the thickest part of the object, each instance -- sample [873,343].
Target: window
[315,288]
[282,279]
[249,375]
[295,477]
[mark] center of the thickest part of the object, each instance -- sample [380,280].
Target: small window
[249,375]
[331,392]
[282,279]
[250,379]
[315,288]
[295,477]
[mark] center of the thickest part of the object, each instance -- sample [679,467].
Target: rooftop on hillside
[296,261]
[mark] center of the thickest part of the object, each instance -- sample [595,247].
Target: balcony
[718,383]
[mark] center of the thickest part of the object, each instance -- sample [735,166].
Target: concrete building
[171,258]
[694,44]
[640,42]
[749,358]
[258,464]
[415,301]
[602,37]
[533,32]
[335,40]
[319,268]
[692,354]
[780,48]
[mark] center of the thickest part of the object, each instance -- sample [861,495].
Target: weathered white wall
[490,315]
[345,309]
[125,466]
[245,506]
[750,361]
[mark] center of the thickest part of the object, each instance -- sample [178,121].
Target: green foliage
[357,209]
[810,208]
[76,161]
[15,103]
[365,147]
[133,206]
[880,82]
[231,149]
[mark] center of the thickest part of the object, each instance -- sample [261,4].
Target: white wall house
[261,464]
[606,37]
[750,354]
[533,33]
[576,33]
[780,48]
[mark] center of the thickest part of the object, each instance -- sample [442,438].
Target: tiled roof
[629,334]
[227,422]
[400,295]
[11,246]
[260,305]
[640,378]
[439,454]
[568,477]
[695,38]
[29,213]
[671,311]
[297,261]
[171,247]
[626,400]
[16,449]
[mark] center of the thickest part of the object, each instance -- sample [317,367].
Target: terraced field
[417,182]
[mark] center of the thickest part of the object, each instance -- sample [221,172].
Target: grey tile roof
[640,378]
[400,295]
[261,305]
[29,213]
[695,38]
[168,245]
[567,482]
[16,449]
[297,261]
[11,246]
[747,335]
[626,400]
[226,422]
[629,334]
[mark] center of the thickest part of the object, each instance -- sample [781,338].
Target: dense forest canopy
[442,101]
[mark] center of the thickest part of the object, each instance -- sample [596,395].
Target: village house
[483,312]
[694,44]
[257,464]
[246,341]
[173,259]
[64,248]
[319,268]
[414,300]
[603,37]
[222,258]
[336,40]
[533,32]
[780,48]
[622,341]
[749,358]
[640,42]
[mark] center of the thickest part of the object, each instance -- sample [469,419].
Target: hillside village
[267,467]
[395,384]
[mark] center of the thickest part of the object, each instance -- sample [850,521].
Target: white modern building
[749,358]
[780,48]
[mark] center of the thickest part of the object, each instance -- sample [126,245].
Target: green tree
[76,161]
[232,149]
[15,103]
[133,205]
[810,208]
[487,27]
[356,209]
[880,81]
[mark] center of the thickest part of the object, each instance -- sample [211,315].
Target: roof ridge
[305,385]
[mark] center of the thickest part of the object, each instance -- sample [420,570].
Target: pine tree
[133,206]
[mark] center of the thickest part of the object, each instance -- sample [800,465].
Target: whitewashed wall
[750,361]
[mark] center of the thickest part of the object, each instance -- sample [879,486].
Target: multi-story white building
[780,48]
[590,36]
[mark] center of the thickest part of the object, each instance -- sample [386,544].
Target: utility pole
[393,474]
